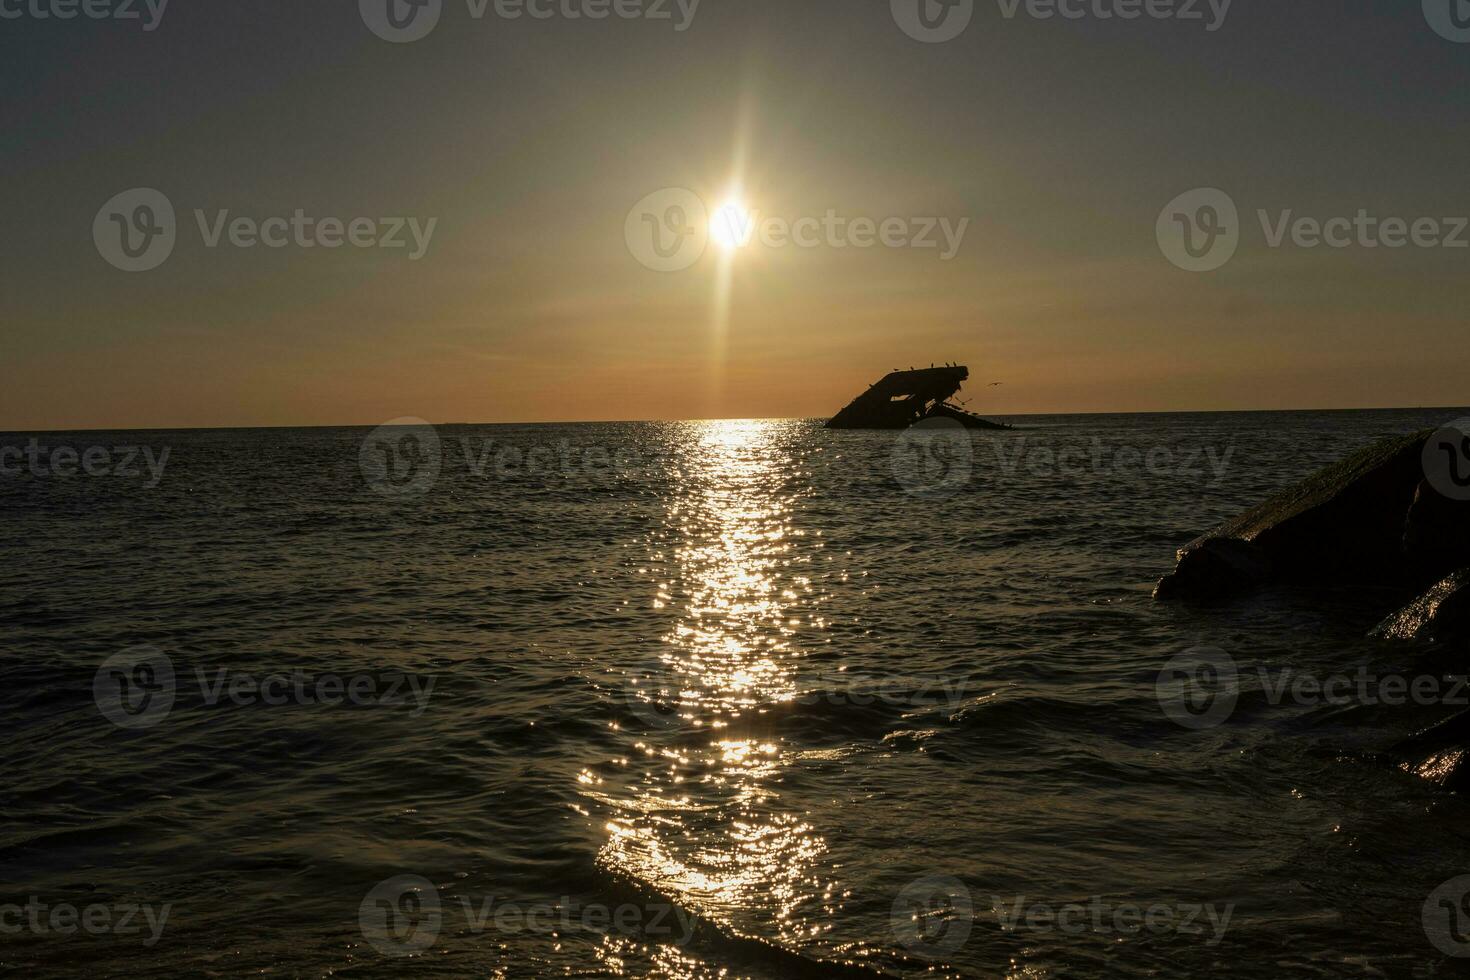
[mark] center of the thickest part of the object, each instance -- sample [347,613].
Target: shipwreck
[904,398]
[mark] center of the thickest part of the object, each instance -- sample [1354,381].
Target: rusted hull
[904,398]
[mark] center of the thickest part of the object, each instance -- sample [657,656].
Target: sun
[729,226]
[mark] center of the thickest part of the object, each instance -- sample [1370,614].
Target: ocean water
[727,699]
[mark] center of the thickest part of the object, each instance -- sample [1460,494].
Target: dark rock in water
[1438,753]
[1436,532]
[1384,516]
[1343,524]
[1441,615]
[1216,567]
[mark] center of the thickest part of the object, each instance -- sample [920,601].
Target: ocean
[703,699]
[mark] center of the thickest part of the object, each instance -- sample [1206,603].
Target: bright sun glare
[730,225]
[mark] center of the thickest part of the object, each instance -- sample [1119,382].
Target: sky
[538,156]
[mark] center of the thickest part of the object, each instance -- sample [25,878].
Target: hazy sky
[530,141]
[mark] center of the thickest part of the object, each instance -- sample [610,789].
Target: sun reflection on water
[704,822]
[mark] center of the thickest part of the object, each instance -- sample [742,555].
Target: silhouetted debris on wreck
[904,398]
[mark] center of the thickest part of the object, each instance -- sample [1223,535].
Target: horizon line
[735,418]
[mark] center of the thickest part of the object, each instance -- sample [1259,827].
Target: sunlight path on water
[704,821]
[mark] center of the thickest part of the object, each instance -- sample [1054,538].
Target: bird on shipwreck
[904,398]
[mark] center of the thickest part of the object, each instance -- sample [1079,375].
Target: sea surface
[705,699]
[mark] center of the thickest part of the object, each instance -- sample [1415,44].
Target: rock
[1343,524]
[1440,615]
[1436,532]
[1216,567]
[1438,753]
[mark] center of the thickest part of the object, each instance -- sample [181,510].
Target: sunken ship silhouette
[904,398]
